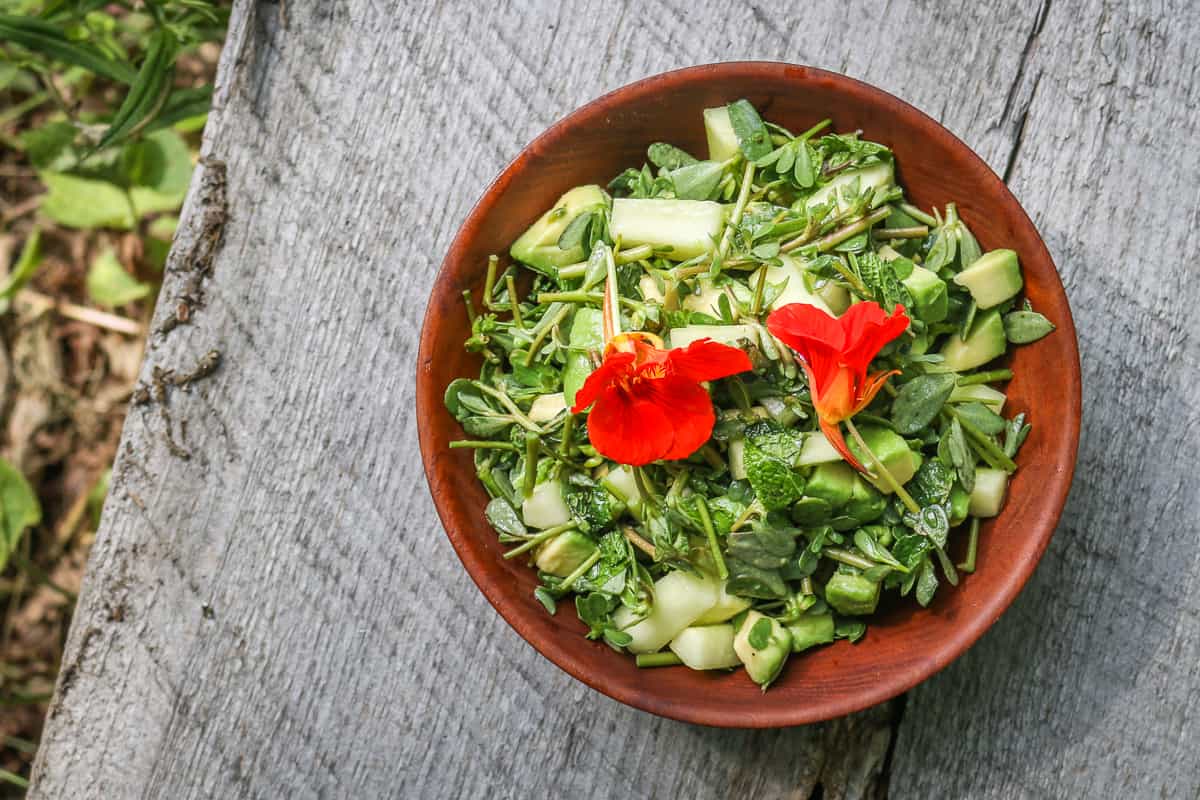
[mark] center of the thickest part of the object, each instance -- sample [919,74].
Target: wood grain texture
[1088,686]
[280,614]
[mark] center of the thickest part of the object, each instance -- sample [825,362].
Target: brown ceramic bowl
[905,644]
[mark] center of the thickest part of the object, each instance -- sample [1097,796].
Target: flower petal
[630,429]
[690,410]
[799,325]
[706,360]
[871,388]
[868,328]
[616,366]
[833,433]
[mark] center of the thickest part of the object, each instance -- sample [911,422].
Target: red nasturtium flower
[836,353]
[649,403]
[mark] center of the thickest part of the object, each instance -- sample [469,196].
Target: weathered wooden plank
[280,615]
[1088,688]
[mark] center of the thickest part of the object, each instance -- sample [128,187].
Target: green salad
[731,405]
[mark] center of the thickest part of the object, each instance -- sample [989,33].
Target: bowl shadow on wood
[902,648]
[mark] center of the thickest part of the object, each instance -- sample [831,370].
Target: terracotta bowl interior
[905,644]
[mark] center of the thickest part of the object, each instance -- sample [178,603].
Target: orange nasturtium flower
[649,403]
[836,353]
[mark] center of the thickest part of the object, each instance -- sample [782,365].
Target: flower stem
[489,283]
[917,232]
[739,208]
[531,461]
[466,295]
[544,332]
[640,543]
[538,538]
[711,533]
[506,401]
[663,659]
[512,299]
[991,376]
[883,471]
[832,240]
[612,309]
[918,214]
[482,445]
[568,429]
[573,271]
[968,564]
[569,581]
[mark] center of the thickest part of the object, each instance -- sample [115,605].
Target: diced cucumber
[851,594]
[547,406]
[987,498]
[707,647]
[737,459]
[545,508]
[993,278]
[780,411]
[688,227]
[722,141]
[762,644]
[888,253]
[930,298]
[878,177]
[650,290]
[832,482]
[891,449]
[538,245]
[817,450]
[731,335]
[621,478]
[679,600]
[795,290]
[979,393]
[727,606]
[811,630]
[563,554]
[836,296]
[985,341]
[708,299]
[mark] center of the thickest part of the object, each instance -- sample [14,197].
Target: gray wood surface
[279,614]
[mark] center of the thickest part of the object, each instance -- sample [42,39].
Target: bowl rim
[429,398]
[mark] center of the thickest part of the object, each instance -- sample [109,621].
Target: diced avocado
[984,342]
[811,630]
[547,406]
[621,478]
[851,594]
[587,334]
[877,176]
[987,497]
[836,296]
[737,459]
[731,335]
[727,606]
[866,504]
[832,482]
[722,141]
[763,645]
[706,647]
[680,598]
[980,393]
[959,504]
[538,246]
[546,507]
[688,227]
[992,279]
[817,450]
[930,298]
[563,554]
[795,290]
[891,449]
